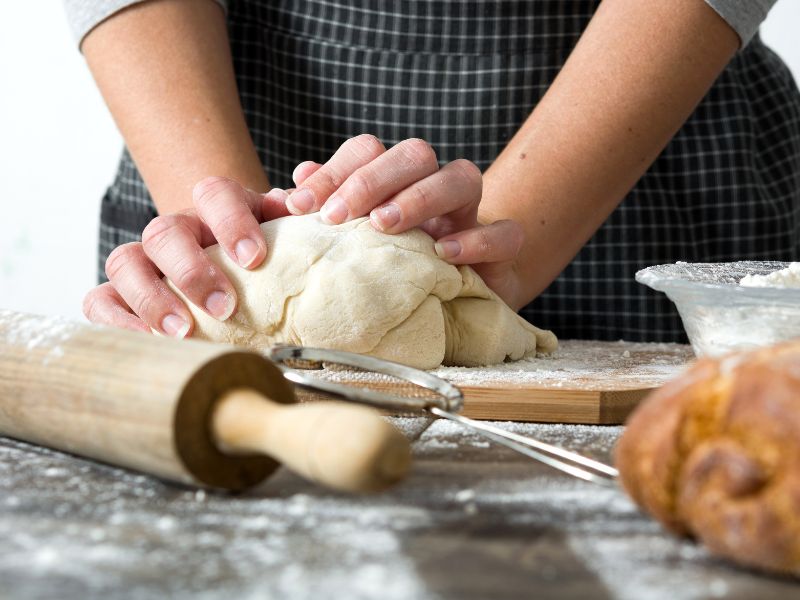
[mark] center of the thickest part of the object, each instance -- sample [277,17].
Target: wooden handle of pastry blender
[343,446]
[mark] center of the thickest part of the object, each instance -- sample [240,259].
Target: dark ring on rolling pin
[192,421]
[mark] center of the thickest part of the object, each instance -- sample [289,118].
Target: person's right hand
[136,297]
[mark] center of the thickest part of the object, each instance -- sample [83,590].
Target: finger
[273,205]
[454,190]
[354,153]
[172,243]
[497,242]
[499,277]
[390,173]
[232,213]
[304,170]
[137,282]
[104,306]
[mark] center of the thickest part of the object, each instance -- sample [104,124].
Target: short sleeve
[85,15]
[744,16]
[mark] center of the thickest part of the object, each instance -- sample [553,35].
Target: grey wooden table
[473,521]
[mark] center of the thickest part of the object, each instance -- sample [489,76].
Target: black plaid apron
[464,74]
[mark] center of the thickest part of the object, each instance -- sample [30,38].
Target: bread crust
[715,455]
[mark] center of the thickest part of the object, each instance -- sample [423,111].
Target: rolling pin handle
[344,446]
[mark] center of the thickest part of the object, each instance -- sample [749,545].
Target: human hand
[402,188]
[136,297]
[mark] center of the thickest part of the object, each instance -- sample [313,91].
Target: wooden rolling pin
[189,411]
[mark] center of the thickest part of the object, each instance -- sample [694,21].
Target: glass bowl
[718,314]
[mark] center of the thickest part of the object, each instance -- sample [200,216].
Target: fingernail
[300,202]
[220,305]
[246,252]
[387,216]
[334,212]
[447,249]
[175,326]
[294,173]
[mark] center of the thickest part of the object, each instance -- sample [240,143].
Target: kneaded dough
[351,287]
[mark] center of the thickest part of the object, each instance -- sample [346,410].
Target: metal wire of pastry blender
[427,393]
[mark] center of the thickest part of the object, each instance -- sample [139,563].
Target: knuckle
[119,258]
[90,304]
[146,306]
[359,184]
[501,240]
[189,275]
[421,198]
[158,231]
[484,244]
[329,179]
[468,170]
[208,189]
[228,222]
[367,146]
[420,152]
[517,235]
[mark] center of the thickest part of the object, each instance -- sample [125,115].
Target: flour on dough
[350,287]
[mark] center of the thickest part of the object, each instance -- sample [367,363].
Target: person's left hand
[402,188]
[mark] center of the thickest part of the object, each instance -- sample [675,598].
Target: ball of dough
[351,287]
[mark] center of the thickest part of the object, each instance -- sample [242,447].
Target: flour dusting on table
[472,521]
[577,364]
[583,365]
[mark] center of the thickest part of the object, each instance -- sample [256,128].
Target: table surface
[473,521]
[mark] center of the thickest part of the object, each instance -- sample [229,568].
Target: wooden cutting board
[582,382]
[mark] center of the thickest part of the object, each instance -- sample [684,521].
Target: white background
[59,148]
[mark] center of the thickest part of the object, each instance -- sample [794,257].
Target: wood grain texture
[128,399]
[551,405]
[532,404]
[190,411]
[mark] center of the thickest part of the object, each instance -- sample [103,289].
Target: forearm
[165,70]
[635,76]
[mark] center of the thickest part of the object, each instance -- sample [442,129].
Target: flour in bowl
[785,278]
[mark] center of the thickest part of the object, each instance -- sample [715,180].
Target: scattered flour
[465,495]
[577,364]
[582,364]
[474,509]
[38,334]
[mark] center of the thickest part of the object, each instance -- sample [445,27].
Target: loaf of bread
[715,455]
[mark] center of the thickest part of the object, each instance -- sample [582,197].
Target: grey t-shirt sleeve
[744,16]
[85,15]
